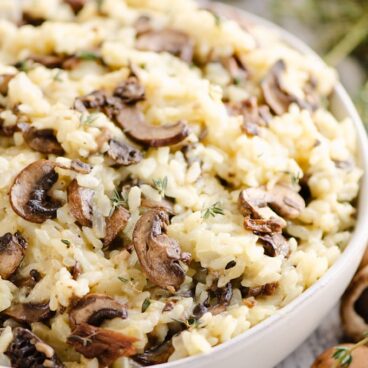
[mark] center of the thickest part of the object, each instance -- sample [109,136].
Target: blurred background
[336,29]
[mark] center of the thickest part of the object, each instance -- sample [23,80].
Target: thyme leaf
[212,211]
[160,185]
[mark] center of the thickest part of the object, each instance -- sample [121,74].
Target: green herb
[160,185]
[23,66]
[212,211]
[88,55]
[117,200]
[123,279]
[88,119]
[67,242]
[145,305]
[57,76]
[343,354]
[188,323]
[217,19]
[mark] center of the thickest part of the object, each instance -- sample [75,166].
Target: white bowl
[266,344]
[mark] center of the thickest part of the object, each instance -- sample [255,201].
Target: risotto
[168,179]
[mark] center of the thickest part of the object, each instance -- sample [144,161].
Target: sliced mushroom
[354,306]
[80,167]
[326,359]
[76,5]
[29,312]
[4,83]
[274,94]
[164,204]
[157,355]
[133,123]
[286,202]
[80,203]
[263,290]
[43,140]
[29,193]
[105,345]
[236,68]
[251,200]
[115,224]
[220,298]
[123,153]
[12,249]
[254,116]
[168,40]
[50,61]
[93,309]
[275,245]
[28,18]
[131,91]
[264,226]
[94,100]
[27,350]
[158,254]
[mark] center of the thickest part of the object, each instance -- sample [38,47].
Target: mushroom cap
[156,355]
[27,350]
[167,40]
[326,360]
[94,309]
[115,223]
[123,153]
[158,254]
[132,121]
[28,194]
[130,91]
[12,249]
[275,245]
[28,312]
[354,306]
[80,203]
[103,344]
[43,140]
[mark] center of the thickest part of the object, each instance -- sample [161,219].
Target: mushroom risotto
[168,179]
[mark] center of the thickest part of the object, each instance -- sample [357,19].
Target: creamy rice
[234,279]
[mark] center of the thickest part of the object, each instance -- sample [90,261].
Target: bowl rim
[360,231]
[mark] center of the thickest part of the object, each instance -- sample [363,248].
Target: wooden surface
[327,335]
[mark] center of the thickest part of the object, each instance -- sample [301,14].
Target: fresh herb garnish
[160,185]
[145,305]
[118,200]
[217,19]
[57,76]
[88,55]
[67,242]
[212,211]
[88,119]
[343,354]
[23,66]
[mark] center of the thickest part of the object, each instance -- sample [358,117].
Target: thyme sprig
[160,185]
[88,119]
[118,200]
[343,355]
[212,211]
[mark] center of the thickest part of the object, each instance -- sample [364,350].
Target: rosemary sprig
[212,211]
[160,185]
[343,354]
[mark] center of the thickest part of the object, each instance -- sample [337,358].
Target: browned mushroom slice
[274,94]
[105,345]
[131,91]
[134,125]
[94,100]
[251,200]
[157,355]
[76,5]
[286,202]
[236,68]
[29,193]
[115,224]
[4,83]
[50,61]
[80,167]
[80,203]
[264,226]
[43,141]
[29,312]
[263,290]
[275,245]
[254,116]
[123,153]
[326,359]
[168,40]
[31,19]
[164,204]
[12,249]
[143,24]
[221,298]
[93,309]
[27,350]
[354,306]
[158,254]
